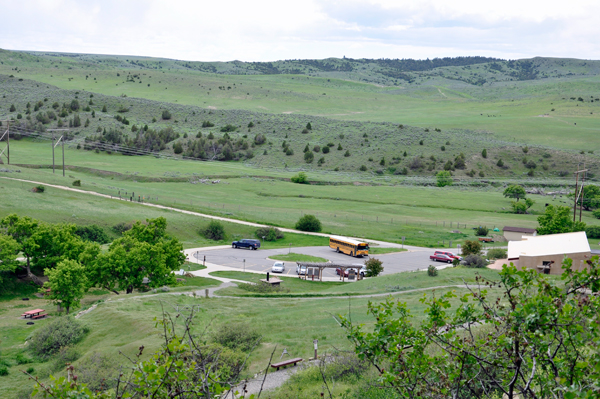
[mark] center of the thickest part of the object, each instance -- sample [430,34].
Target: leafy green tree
[9,249]
[471,247]
[22,229]
[528,337]
[590,198]
[515,191]
[556,220]
[67,283]
[522,207]
[444,178]
[374,267]
[144,251]
[74,105]
[308,223]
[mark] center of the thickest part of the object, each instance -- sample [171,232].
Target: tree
[12,108]
[444,178]
[308,223]
[9,249]
[67,283]
[74,105]
[166,114]
[471,247]
[177,148]
[515,191]
[484,153]
[309,156]
[591,197]
[528,336]
[374,267]
[21,229]
[522,207]
[144,251]
[308,126]
[556,220]
[482,231]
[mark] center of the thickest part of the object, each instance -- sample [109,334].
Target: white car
[278,267]
[300,270]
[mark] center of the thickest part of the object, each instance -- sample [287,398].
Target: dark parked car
[246,243]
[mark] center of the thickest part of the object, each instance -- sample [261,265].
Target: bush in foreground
[236,336]
[432,271]
[308,223]
[58,333]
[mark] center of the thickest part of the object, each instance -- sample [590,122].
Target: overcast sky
[267,30]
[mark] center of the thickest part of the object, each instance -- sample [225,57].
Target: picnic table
[34,314]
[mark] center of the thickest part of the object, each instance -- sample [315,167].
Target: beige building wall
[515,236]
[533,262]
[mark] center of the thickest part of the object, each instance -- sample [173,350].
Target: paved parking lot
[257,260]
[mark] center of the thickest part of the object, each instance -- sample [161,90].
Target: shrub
[121,227]
[432,271]
[207,124]
[56,334]
[592,231]
[3,370]
[228,128]
[416,163]
[67,354]
[363,168]
[444,178]
[308,223]
[39,189]
[325,150]
[263,288]
[471,247]
[166,114]
[484,153]
[374,267]
[270,233]
[214,231]
[224,362]
[92,232]
[596,213]
[496,253]
[300,178]
[77,183]
[97,371]
[236,336]
[474,261]
[481,231]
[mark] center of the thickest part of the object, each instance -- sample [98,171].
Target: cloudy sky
[266,30]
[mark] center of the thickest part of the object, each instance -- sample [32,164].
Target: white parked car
[278,267]
[300,270]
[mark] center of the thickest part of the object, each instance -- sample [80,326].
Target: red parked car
[441,258]
[450,254]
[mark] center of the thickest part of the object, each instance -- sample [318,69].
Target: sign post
[316,345]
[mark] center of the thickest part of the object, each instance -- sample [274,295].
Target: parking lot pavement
[416,258]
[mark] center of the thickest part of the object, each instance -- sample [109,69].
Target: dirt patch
[211,107]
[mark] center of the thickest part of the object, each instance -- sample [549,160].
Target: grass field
[384,212]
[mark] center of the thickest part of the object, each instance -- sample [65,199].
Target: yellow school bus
[349,246]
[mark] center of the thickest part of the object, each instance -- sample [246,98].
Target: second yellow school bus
[349,246]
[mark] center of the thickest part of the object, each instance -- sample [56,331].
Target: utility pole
[61,140]
[579,193]
[7,149]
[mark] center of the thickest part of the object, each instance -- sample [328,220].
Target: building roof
[519,229]
[552,244]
